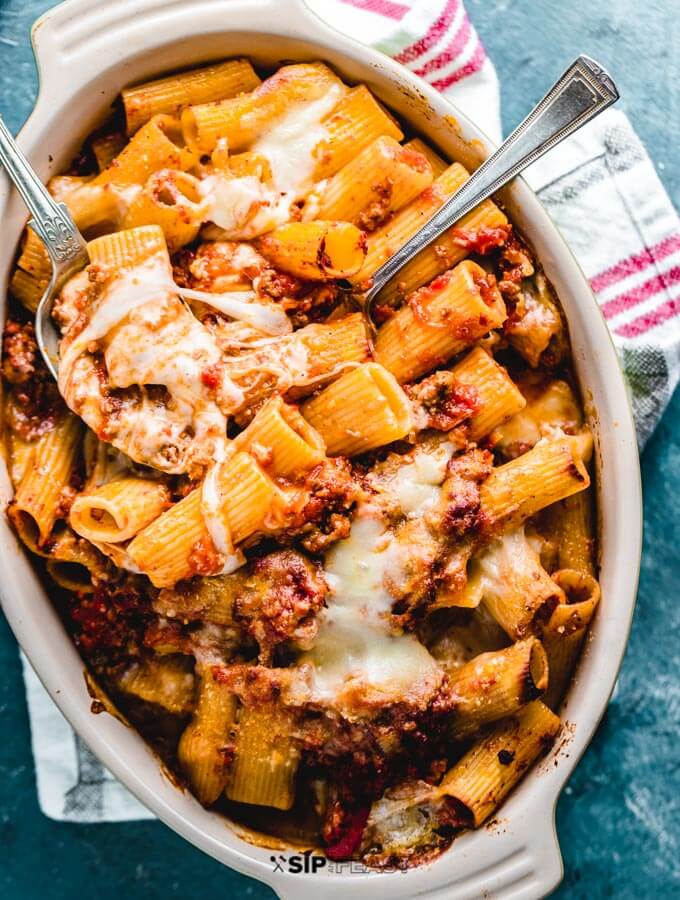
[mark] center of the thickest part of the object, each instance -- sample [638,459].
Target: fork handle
[50,220]
[583,91]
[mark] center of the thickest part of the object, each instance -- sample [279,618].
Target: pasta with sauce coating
[170,95]
[315,250]
[361,410]
[116,511]
[157,145]
[489,771]
[318,567]
[201,747]
[439,321]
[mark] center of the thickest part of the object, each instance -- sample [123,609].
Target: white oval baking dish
[86,52]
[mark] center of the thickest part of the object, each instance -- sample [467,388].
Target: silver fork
[580,94]
[53,224]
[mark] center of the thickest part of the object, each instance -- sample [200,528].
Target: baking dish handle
[521,860]
[84,36]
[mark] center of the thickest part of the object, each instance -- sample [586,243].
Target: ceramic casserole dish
[86,52]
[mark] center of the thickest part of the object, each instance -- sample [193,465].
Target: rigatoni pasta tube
[516,589]
[241,120]
[169,95]
[103,463]
[439,321]
[564,632]
[496,684]
[157,145]
[266,759]
[318,251]
[489,771]
[383,243]
[498,396]
[107,147]
[98,208]
[33,257]
[27,288]
[317,352]
[204,599]
[570,527]
[164,550]
[167,681]
[331,345]
[201,747]
[20,455]
[38,495]
[70,575]
[250,497]
[178,544]
[126,249]
[117,553]
[61,186]
[445,252]
[289,442]
[117,511]
[437,163]
[72,561]
[553,405]
[467,597]
[552,470]
[171,200]
[363,409]
[379,180]
[356,121]
[241,165]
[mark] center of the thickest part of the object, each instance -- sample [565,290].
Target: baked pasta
[339,584]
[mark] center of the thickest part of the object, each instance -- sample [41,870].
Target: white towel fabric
[601,189]
[73,786]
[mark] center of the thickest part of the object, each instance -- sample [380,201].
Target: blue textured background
[618,818]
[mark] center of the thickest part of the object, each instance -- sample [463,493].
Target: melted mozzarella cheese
[215,517]
[538,315]
[289,146]
[417,485]
[405,817]
[245,207]
[151,338]
[502,560]
[553,407]
[268,318]
[355,568]
[177,362]
[149,284]
[286,360]
[355,652]
[130,289]
[245,256]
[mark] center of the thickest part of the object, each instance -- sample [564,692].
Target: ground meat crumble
[34,403]
[441,402]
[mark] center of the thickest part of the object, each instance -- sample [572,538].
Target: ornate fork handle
[582,92]
[50,220]
[59,234]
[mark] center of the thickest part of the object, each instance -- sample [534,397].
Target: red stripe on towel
[387,8]
[651,319]
[474,64]
[635,263]
[452,51]
[432,36]
[642,292]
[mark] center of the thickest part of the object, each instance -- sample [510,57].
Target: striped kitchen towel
[601,189]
